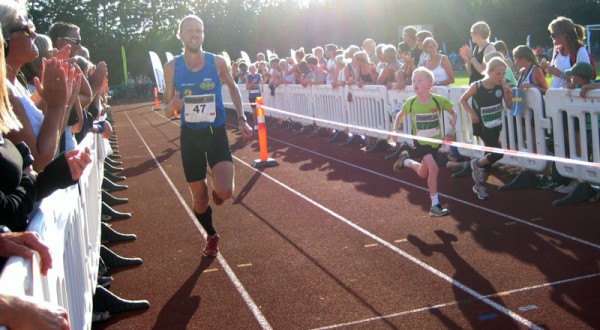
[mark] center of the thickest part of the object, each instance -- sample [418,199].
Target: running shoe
[438,211]
[400,162]
[544,182]
[477,172]
[481,191]
[211,249]
[567,189]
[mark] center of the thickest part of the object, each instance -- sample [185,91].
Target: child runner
[427,121]
[486,109]
[254,86]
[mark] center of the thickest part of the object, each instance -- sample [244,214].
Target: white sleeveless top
[439,73]
[35,115]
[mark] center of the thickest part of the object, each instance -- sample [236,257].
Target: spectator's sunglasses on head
[73,40]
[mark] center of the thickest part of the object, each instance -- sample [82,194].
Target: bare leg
[426,169]
[222,181]
[199,191]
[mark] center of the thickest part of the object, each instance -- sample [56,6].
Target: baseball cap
[582,70]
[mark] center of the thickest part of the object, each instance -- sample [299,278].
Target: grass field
[461,77]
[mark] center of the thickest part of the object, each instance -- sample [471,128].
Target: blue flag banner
[517,96]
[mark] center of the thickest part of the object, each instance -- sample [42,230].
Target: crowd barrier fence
[369,110]
[68,221]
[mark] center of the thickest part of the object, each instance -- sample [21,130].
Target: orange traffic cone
[264,160]
[176,115]
[156,107]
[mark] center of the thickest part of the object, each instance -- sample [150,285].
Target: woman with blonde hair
[438,63]
[20,185]
[366,72]
[531,74]
[569,48]
[41,129]
[390,65]
[480,34]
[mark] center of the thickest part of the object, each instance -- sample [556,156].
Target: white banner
[245,57]
[169,56]
[159,75]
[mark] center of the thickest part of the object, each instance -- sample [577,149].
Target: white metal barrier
[374,107]
[330,104]
[69,223]
[300,102]
[465,134]
[278,101]
[561,105]
[520,133]
[397,98]
[369,108]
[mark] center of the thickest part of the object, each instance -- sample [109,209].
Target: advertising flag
[159,75]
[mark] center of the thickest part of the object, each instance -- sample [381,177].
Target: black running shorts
[423,149]
[199,147]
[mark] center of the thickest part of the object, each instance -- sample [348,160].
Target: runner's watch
[243,118]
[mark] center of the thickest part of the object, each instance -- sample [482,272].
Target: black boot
[113,177]
[108,213]
[106,301]
[110,186]
[113,260]
[355,140]
[338,136]
[112,169]
[109,235]
[379,146]
[112,162]
[112,200]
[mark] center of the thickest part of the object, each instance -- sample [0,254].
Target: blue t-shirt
[255,89]
[205,81]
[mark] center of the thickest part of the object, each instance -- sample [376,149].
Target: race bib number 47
[199,108]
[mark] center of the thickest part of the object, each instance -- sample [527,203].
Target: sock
[205,220]
[434,199]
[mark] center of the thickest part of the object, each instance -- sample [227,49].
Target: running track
[333,238]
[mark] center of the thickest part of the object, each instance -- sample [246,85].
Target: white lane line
[479,207]
[230,273]
[510,217]
[452,303]
[401,252]
[415,260]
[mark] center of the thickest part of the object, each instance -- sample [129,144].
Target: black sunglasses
[25,28]
[73,40]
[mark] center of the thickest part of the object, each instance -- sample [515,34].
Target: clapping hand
[465,52]
[53,87]
[78,161]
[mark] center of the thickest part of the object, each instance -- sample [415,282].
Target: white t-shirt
[35,115]
[563,63]
[331,67]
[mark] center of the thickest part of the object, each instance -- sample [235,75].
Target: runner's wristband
[100,127]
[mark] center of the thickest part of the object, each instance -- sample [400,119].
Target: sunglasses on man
[73,40]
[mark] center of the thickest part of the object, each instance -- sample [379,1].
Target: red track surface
[333,237]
